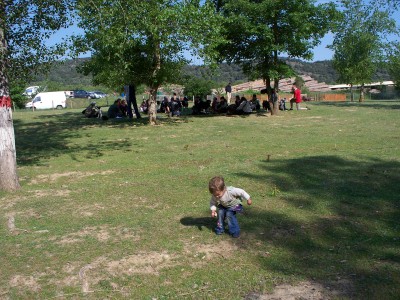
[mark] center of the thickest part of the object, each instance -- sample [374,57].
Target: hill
[321,71]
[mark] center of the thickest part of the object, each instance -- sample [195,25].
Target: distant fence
[316,97]
[330,97]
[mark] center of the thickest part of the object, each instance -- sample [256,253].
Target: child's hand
[213,213]
[249,202]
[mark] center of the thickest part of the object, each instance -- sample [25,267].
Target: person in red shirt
[296,97]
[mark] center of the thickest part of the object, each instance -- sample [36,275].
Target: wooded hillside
[322,71]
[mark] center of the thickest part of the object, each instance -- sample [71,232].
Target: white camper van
[31,91]
[48,100]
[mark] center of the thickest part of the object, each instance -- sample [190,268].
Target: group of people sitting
[241,106]
[173,106]
[117,110]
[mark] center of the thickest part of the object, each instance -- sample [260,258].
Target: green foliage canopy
[360,41]
[28,25]
[394,64]
[197,87]
[144,42]
[260,31]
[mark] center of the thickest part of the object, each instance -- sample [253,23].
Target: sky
[321,52]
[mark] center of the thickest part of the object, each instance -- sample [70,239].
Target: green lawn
[120,209]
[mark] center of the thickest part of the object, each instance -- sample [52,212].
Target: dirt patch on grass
[10,201]
[24,283]
[141,263]
[11,220]
[223,248]
[307,290]
[104,269]
[89,210]
[201,254]
[101,233]
[53,193]
[70,175]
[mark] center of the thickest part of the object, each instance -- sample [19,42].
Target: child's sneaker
[219,230]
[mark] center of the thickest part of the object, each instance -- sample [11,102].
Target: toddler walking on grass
[228,202]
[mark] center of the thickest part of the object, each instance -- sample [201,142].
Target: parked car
[80,94]
[48,100]
[97,95]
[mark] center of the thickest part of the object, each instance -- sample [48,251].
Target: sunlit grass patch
[121,209]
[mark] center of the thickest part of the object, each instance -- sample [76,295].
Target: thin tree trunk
[351,93]
[274,105]
[362,94]
[154,87]
[153,107]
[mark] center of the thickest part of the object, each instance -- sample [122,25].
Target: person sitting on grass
[222,106]
[114,112]
[245,107]
[164,106]
[185,102]
[123,106]
[282,104]
[214,105]
[228,202]
[238,100]
[175,106]
[144,107]
[92,111]
[255,103]
[296,97]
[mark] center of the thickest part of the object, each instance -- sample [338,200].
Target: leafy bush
[198,87]
[16,91]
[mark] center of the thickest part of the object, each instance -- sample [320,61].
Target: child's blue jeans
[230,215]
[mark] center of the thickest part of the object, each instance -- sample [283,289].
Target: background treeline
[66,74]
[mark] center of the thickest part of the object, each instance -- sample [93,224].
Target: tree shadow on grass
[51,134]
[353,229]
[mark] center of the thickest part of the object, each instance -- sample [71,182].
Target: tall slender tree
[25,26]
[394,64]
[143,42]
[360,42]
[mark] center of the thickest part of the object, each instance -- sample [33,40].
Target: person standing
[228,91]
[296,97]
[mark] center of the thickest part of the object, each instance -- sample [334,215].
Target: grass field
[120,209]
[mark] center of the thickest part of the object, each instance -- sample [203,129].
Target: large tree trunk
[275,104]
[8,160]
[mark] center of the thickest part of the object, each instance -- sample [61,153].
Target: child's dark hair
[216,183]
